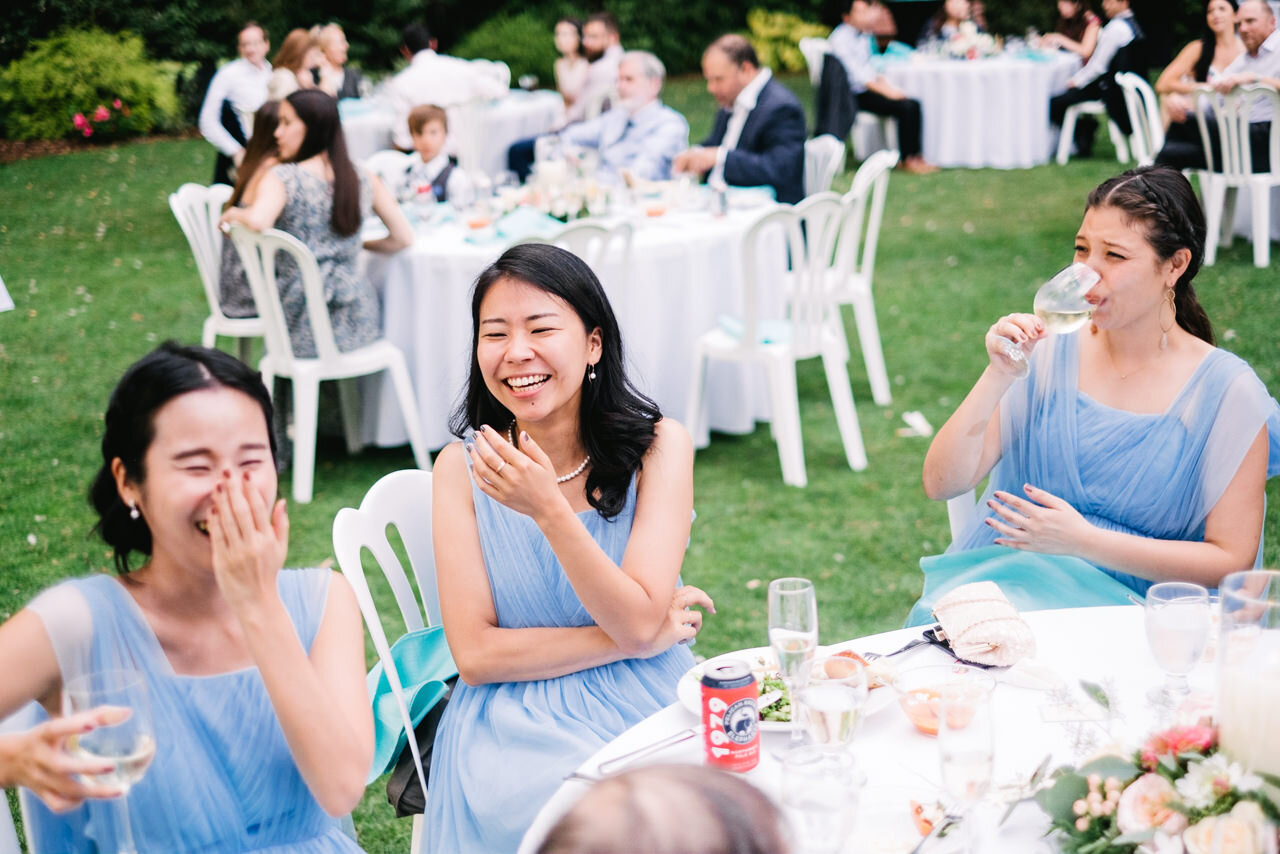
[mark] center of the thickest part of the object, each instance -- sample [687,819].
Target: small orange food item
[848,653]
[921,708]
[924,826]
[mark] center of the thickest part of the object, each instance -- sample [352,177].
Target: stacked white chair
[823,161]
[1219,187]
[402,499]
[259,251]
[810,329]
[1144,117]
[198,209]
[1067,136]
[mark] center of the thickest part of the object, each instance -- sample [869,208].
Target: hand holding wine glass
[1061,308]
[38,759]
[793,634]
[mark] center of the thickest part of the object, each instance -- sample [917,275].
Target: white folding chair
[258,251]
[402,499]
[809,330]
[962,512]
[592,241]
[813,50]
[198,209]
[853,268]
[872,133]
[823,161]
[390,166]
[1144,117]
[1219,186]
[1067,136]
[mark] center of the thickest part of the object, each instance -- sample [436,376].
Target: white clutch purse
[982,625]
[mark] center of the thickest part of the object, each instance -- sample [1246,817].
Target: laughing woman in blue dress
[560,528]
[1135,452]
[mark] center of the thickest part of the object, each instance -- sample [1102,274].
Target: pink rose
[1145,804]
[116,103]
[79,121]
[101,114]
[1176,741]
[88,131]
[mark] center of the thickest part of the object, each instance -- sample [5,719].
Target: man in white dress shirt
[1119,48]
[602,46]
[235,93]
[433,78]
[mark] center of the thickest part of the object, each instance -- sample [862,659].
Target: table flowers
[1176,794]
[969,43]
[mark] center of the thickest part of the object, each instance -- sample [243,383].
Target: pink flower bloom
[101,114]
[116,103]
[1145,804]
[1175,741]
[79,121]
[88,131]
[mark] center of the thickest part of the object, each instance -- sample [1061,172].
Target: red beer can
[730,716]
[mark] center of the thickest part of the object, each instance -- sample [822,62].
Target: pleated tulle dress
[1155,475]
[504,748]
[223,779]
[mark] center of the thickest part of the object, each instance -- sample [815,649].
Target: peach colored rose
[1244,830]
[1145,804]
[1175,741]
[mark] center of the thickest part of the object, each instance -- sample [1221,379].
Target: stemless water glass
[1061,307]
[130,744]
[1177,620]
[793,634]
[966,740]
[831,700]
[820,798]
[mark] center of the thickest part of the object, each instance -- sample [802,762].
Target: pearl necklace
[582,466]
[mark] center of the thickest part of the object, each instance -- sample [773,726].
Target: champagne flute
[1061,306]
[1177,620]
[129,744]
[834,693]
[966,739]
[793,634]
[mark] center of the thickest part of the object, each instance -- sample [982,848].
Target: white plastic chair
[1067,136]
[1144,117]
[962,512]
[390,166]
[1219,187]
[198,209]
[592,241]
[852,272]
[813,50]
[258,251]
[809,330]
[402,499]
[823,161]
[872,133]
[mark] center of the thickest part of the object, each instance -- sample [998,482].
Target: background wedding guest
[236,91]
[295,65]
[336,77]
[670,809]
[431,166]
[758,135]
[571,66]
[260,155]
[1076,29]
[1202,61]
[432,78]
[602,46]
[851,42]
[946,22]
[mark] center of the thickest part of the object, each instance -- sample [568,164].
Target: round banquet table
[683,273]
[984,112]
[1103,645]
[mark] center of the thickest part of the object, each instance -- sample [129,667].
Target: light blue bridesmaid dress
[1155,475]
[223,779]
[503,749]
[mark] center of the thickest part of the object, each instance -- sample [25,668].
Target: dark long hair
[577,26]
[615,421]
[1162,200]
[261,146]
[319,112]
[166,372]
[1208,46]
[1075,27]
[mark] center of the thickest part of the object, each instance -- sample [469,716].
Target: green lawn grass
[100,273]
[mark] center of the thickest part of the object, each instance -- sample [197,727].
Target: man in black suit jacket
[758,135]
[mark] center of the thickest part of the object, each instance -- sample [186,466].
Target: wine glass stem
[124,831]
[797,725]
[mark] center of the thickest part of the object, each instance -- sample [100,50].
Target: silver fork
[872,656]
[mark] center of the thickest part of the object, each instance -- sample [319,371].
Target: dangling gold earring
[1173,319]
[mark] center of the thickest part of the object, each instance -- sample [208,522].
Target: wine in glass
[1177,621]
[834,693]
[129,745]
[793,635]
[966,739]
[1061,306]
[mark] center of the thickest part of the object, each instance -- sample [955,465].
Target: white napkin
[982,625]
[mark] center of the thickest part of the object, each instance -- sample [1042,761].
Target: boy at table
[431,169]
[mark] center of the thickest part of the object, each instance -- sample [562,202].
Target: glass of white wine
[793,635]
[1177,620]
[129,744]
[966,740]
[832,699]
[1061,306]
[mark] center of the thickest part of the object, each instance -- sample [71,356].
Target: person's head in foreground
[670,809]
[547,352]
[178,418]
[729,64]
[1144,232]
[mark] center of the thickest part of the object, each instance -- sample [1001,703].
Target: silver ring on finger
[499,469]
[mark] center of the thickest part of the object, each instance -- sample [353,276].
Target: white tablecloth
[519,115]
[685,271]
[985,112]
[1103,645]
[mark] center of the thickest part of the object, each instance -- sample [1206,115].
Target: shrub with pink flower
[103,120]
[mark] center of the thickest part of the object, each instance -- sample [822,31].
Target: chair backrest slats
[1231,114]
[863,214]
[823,160]
[1144,116]
[198,209]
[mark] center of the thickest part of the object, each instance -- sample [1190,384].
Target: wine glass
[130,744]
[1061,306]
[820,797]
[834,693]
[966,739]
[1177,620]
[793,634]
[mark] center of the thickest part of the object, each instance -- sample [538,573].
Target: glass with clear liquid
[1176,615]
[793,635]
[832,700]
[966,742]
[1061,306]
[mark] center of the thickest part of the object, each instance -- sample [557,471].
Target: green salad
[779,709]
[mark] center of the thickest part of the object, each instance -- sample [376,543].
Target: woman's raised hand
[1042,522]
[250,539]
[524,480]
[38,759]
[682,623]
[1024,330]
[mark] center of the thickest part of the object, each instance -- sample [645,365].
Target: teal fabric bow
[423,661]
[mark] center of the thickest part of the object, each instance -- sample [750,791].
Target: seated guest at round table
[295,65]
[336,77]
[431,166]
[571,65]
[758,135]
[260,155]
[1076,29]
[1202,61]
[1135,451]
[255,674]
[946,22]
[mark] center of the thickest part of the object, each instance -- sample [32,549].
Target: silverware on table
[617,763]
[872,656]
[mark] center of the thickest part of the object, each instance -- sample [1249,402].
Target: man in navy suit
[758,135]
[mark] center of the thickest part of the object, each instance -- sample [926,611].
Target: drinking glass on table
[1177,620]
[831,701]
[1061,307]
[130,744]
[793,635]
[819,797]
[966,740]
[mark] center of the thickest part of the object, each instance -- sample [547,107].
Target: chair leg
[1118,140]
[890,128]
[1213,203]
[864,315]
[409,408]
[695,403]
[349,402]
[785,406]
[1260,199]
[208,335]
[1228,235]
[418,842]
[1066,136]
[306,401]
[855,452]
[244,349]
